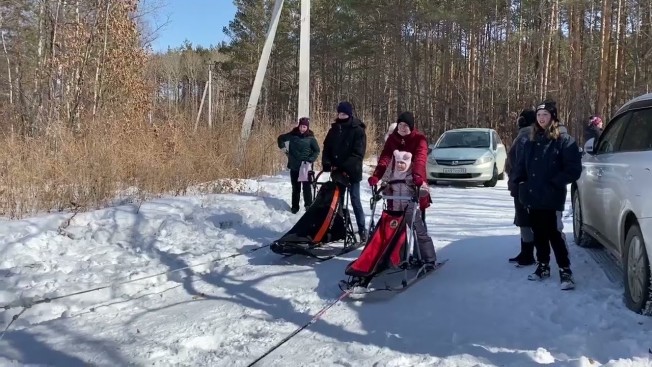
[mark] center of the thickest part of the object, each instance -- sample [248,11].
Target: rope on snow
[299,329]
[32,301]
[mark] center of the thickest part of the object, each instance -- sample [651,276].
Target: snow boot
[527,254]
[542,272]
[429,266]
[363,236]
[566,279]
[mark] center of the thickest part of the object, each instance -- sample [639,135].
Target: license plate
[454,170]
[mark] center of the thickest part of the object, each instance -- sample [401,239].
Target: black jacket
[591,132]
[345,146]
[515,151]
[545,168]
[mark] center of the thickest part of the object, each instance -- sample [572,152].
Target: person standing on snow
[408,139]
[593,129]
[521,216]
[425,202]
[345,146]
[551,160]
[302,150]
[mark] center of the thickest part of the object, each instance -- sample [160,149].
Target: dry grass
[61,171]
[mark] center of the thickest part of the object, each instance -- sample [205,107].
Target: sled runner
[326,221]
[392,248]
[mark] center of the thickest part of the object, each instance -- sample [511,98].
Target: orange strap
[331,211]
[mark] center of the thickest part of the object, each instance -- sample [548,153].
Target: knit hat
[408,118]
[304,121]
[405,157]
[550,106]
[526,118]
[595,121]
[345,107]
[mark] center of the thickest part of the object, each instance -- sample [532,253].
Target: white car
[474,155]
[612,205]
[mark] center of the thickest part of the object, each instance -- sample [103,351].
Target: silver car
[475,155]
[612,204]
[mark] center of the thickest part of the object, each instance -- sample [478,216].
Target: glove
[418,181]
[373,181]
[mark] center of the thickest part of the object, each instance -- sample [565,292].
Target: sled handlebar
[377,195]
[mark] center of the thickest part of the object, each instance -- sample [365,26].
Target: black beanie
[408,118]
[345,107]
[527,118]
[550,106]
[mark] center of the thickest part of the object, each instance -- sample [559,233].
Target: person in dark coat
[345,146]
[551,160]
[521,216]
[301,146]
[593,129]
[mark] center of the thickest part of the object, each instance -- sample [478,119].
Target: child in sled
[400,169]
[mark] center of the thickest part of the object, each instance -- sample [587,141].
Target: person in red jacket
[407,139]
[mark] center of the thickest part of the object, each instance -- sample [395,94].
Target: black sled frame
[411,259]
[312,249]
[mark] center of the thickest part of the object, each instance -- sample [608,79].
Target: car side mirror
[588,146]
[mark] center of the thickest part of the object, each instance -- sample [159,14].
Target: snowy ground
[476,311]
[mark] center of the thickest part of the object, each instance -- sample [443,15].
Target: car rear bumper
[481,172]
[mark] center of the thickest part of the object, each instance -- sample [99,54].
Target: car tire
[580,237]
[636,266]
[494,179]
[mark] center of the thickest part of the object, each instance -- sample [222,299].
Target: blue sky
[198,21]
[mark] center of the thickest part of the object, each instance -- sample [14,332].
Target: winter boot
[542,272]
[520,254]
[363,236]
[526,257]
[566,279]
[429,266]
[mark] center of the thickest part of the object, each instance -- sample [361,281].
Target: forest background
[89,112]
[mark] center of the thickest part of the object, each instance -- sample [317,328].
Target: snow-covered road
[478,310]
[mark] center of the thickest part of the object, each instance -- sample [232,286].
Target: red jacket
[415,143]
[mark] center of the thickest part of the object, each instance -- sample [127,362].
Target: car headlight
[484,159]
[432,160]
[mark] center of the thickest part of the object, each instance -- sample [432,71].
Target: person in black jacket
[521,216]
[300,146]
[345,146]
[551,160]
[593,129]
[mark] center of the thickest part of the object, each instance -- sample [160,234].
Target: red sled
[392,244]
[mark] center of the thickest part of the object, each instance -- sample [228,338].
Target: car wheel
[638,296]
[494,179]
[580,237]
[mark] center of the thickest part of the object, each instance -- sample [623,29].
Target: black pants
[296,190]
[548,232]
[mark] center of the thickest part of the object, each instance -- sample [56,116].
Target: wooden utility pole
[210,95]
[304,61]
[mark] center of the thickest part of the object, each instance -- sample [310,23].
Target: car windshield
[464,139]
